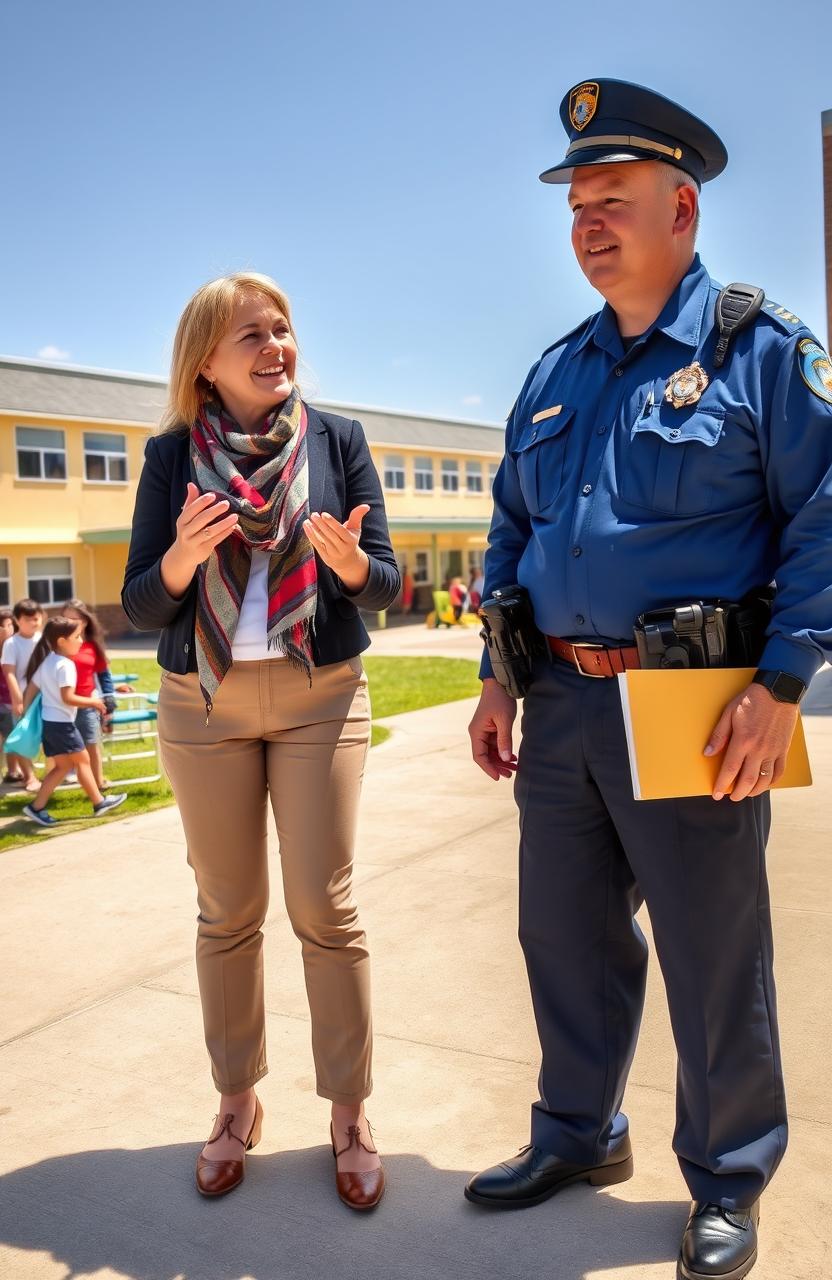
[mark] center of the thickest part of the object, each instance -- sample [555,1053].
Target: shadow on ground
[138,1214]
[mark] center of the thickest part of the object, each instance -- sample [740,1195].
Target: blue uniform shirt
[610,501]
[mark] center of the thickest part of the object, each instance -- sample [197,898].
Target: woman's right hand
[201,526]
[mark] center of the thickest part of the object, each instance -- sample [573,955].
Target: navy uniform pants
[589,856]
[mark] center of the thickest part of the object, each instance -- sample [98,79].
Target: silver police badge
[685,386]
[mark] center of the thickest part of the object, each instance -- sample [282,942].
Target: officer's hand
[490,731]
[756,729]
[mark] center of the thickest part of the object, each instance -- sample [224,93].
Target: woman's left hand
[337,545]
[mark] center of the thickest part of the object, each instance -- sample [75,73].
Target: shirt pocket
[667,464]
[540,457]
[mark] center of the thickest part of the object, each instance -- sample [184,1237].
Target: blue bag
[27,735]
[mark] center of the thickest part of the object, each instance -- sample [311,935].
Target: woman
[258,531]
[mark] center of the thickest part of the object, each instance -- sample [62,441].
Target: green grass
[406,684]
[396,685]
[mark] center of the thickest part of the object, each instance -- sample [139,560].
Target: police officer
[639,471]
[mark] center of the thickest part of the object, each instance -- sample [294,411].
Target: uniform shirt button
[534,435]
[602,431]
[576,551]
[618,371]
[580,619]
[185,647]
[586,489]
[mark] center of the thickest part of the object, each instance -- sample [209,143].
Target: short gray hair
[676,178]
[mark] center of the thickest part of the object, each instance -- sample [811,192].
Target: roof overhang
[427,524]
[96,537]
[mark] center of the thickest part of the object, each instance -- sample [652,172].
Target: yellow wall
[40,518]
[65,505]
[411,501]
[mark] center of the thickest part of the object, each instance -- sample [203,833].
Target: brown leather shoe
[218,1177]
[358,1190]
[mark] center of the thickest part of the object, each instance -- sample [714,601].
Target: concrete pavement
[105,1095]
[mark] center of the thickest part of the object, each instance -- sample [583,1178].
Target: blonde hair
[204,321]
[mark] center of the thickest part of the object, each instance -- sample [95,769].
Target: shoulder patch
[815,368]
[788,320]
[579,328]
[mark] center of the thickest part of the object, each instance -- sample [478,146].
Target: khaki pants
[272,736]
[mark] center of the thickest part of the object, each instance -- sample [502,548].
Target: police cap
[611,120]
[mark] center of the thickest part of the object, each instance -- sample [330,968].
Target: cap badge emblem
[815,368]
[686,385]
[583,103]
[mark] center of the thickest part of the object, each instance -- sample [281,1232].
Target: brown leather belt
[595,659]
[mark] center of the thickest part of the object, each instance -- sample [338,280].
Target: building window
[105,458]
[475,561]
[41,454]
[423,475]
[473,477]
[450,476]
[5,584]
[49,579]
[393,471]
[421,567]
[493,468]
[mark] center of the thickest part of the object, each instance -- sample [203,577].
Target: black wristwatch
[781,685]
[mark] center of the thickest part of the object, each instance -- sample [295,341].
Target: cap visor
[592,155]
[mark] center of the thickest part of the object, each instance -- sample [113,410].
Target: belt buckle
[589,675]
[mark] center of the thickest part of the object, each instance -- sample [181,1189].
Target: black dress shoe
[534,1175]
[719,1244]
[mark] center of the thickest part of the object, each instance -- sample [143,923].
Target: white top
[54,674]
[17,651]
[249,643]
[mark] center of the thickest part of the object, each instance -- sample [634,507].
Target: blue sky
[381,161]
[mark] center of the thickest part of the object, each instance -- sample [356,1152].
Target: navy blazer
[341,477]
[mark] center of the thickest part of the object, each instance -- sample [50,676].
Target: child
[17,651]
[91,661]
[6,717]
[52,670]
[459,597]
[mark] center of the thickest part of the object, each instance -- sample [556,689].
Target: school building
[71,448]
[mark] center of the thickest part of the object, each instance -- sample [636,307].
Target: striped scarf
[265,479]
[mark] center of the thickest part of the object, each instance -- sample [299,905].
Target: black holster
[514,642]
[705,633]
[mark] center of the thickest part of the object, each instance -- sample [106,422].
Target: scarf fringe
[293,645]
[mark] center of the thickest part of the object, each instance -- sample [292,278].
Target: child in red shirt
[91,661]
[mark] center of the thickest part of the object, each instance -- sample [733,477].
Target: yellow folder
[669,717]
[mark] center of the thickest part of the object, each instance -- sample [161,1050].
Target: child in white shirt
[52,672]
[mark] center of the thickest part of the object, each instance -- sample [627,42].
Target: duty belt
[595,659]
